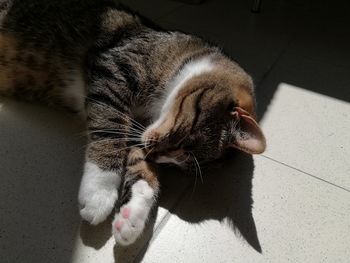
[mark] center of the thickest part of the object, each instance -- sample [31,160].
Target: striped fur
[91,56]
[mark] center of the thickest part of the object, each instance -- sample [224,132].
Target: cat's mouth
[177,157]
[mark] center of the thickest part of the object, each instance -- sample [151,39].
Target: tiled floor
[291,204]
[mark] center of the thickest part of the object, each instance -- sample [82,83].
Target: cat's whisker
[127,117]
[234,124]
[106,142]
[180,154]
[116,141]
[128,127]
[119,140]
[135,122]
[111,130]
[138,124]
[117,134]
[99,141]
[188,156]
[121,131]
[199,168]
[148,153]
[122,149]
[195,178]
[114,132]
[129,147]
[135,131]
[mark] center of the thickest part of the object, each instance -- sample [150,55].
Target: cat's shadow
[226,192]
[225,195]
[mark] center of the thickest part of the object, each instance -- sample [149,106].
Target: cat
[97,59]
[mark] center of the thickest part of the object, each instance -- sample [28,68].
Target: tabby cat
[95,58]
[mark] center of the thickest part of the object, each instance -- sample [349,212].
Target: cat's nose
[150,139]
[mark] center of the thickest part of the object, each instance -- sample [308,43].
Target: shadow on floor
[314,76]
[40,170]
[225,195]
[230,202]
[96,236]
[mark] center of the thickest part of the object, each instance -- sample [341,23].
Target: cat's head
[209,114]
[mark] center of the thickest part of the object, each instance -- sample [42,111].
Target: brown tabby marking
[145,170]
[31,74]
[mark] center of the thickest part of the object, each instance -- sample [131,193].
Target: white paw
[130,222]
[98,206]
[98,193]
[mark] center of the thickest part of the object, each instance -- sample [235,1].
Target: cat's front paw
[130,222]
[98,206]
[98,193]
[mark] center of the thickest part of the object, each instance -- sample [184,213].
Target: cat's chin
[167,161]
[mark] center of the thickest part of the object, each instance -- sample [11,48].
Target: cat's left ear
[250,137]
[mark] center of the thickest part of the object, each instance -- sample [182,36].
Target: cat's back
[43,44]
[60,24]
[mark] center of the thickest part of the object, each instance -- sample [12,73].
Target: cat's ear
[250,137]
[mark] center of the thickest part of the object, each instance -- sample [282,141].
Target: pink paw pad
[126,212]
[118,225]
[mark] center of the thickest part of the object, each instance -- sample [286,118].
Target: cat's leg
[141,188]
[98,192]
[105,160]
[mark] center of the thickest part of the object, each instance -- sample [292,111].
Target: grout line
[274,63]
[161,225]
[313,176]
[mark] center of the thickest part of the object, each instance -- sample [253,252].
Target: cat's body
[91,57]
[59,50]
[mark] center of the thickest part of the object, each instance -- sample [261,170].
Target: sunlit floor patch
[309,131]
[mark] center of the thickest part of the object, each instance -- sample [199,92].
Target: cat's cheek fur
[130,222]
[98,193]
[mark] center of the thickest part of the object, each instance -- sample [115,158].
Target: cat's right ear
[250,137]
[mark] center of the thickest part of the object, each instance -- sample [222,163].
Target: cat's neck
[189,70]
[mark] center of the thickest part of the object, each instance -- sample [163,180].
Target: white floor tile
[309,131]
[297,219]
